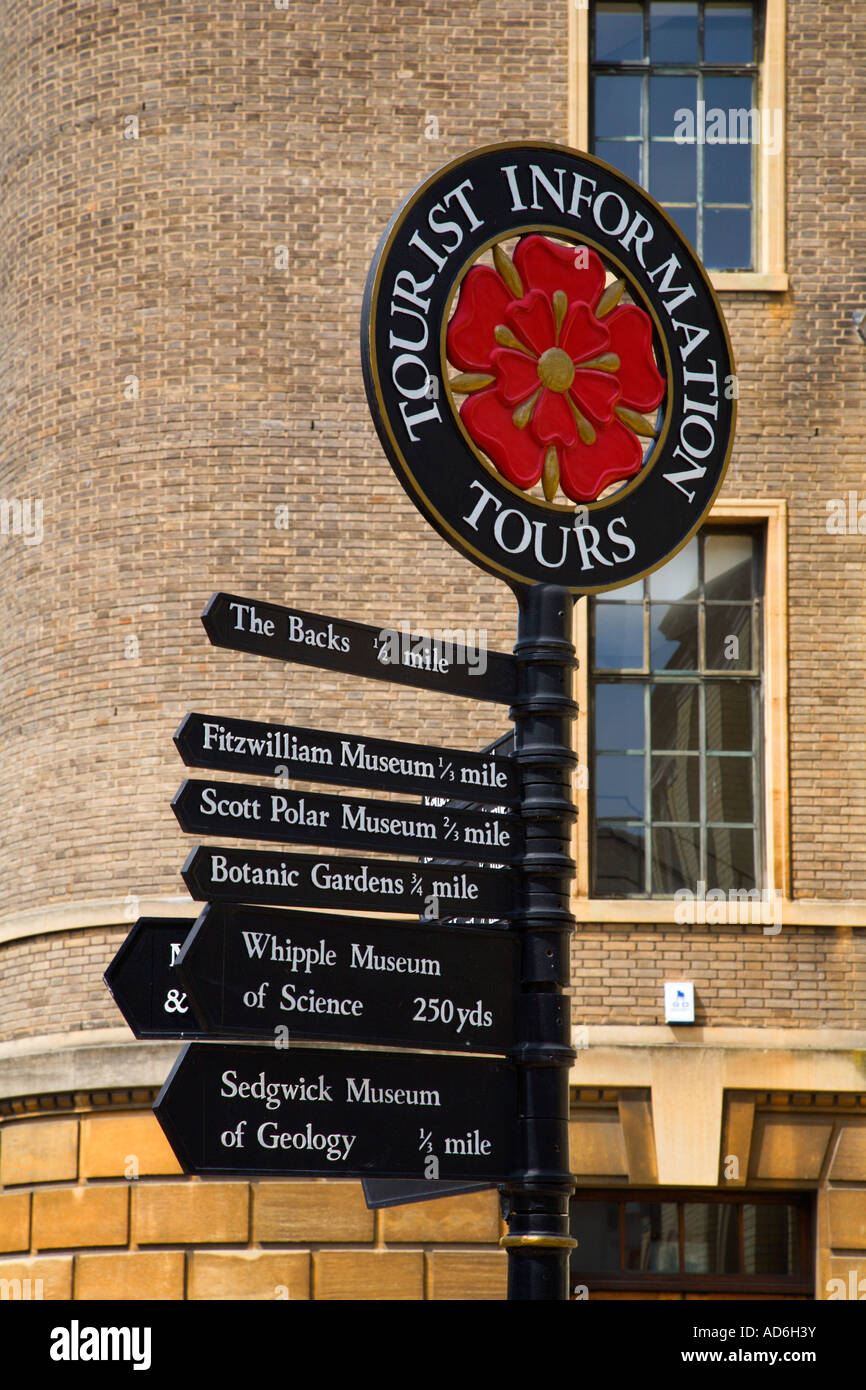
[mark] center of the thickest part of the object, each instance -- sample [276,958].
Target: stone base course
[68,1186]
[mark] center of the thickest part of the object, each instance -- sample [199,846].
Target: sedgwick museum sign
[548,368]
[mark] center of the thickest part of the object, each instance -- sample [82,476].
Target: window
[676,720]
[687,97]
[707,1243]
[674,106]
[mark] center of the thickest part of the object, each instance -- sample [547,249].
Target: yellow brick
[139,1274]
[125,1146]
[311,1211]
[464,1275]
[55,1274]
[787,1149]
[368,1274]
[15,1221]
[473,1217]
[597,1146]
[249,1274]
[80,1216]
[193,1213]
[846,1211]
[38,1151]
[850,1270]
[849,1163]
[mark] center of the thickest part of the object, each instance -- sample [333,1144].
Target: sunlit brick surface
[191,196]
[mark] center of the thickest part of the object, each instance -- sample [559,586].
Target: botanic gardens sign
[548,368]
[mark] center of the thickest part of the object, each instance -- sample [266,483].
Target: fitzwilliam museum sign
[548,367]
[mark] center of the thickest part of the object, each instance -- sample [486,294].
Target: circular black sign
[548,368]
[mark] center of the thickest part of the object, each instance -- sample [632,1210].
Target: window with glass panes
[676,723]
[650,63]
[712,1242]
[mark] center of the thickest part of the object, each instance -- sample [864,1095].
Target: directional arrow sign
[339,1114]
[145,984]
[252,812]
[383,653]
[314,755]
[311,880]
[250,971]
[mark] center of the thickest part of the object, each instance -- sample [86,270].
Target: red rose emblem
[556,373]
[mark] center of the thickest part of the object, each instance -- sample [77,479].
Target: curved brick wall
[154,257]
[802,978]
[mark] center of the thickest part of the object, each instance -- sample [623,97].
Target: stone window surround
[772,513]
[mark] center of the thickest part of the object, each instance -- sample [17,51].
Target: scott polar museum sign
[548,368]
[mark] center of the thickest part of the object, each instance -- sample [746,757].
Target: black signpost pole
[538,1242]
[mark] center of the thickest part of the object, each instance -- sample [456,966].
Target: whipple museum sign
[351,979]
[533,318]
[551,378]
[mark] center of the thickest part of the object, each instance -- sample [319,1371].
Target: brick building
[190,199]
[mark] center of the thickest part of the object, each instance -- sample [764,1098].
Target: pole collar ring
[545,1242]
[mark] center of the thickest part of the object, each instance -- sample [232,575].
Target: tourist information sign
[382,653]
[551,378]
[437,891]
[315,755]
[145,984]
[319,1112]
[548,367]
[254,972]
[253,812]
